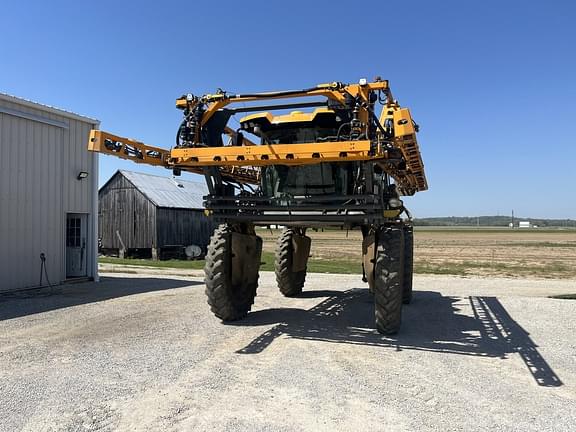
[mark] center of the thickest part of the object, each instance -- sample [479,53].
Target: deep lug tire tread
[226,302]
[289,282]
[407,278]
[388,280]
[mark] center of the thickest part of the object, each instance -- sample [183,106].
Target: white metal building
[48,195]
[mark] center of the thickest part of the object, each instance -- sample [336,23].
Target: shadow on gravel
[431,323]
[22,303]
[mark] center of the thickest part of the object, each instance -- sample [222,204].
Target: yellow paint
[294,116]
[391,214]
[275,154]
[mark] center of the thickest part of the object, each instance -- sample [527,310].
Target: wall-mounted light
[82,175]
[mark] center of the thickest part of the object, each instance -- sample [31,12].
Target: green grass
[555,269]
[122,270]
[458,269]
[314,265]
[564,296]
[194,265]
[341,267]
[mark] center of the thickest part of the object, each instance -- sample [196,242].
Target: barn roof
[168,192]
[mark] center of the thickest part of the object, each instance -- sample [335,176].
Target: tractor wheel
[289,282]
[230,295]
[408,264]
[388,287]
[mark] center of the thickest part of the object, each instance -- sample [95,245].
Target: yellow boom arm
[397,152]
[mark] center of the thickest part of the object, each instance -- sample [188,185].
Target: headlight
[395,203]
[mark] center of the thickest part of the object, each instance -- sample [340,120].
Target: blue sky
[491,83]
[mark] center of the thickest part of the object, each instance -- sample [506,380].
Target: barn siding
[183,227]
[126,209]
[39,163]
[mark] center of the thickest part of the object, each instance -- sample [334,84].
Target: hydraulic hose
[274,94]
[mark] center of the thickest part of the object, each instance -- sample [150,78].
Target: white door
[76,245]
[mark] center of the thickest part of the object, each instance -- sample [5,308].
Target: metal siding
[29,203]
[77,194]
[38,168]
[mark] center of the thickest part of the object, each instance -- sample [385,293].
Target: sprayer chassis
[365,163]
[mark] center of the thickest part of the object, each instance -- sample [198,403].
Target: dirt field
[485,252]
[142,352]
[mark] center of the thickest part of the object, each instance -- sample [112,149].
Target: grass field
[468,251]
[481,252]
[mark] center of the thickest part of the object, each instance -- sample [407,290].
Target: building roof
[48,108]
[168,192]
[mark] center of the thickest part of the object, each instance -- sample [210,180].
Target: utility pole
[512,218]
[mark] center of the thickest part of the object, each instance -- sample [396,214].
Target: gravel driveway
[143,353]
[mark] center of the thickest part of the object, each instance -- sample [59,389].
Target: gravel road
[138,352]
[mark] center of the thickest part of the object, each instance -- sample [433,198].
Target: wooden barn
[152,216]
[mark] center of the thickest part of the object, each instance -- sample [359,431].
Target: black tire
[227,302]
[289,282]
[388,280]
[408,264]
